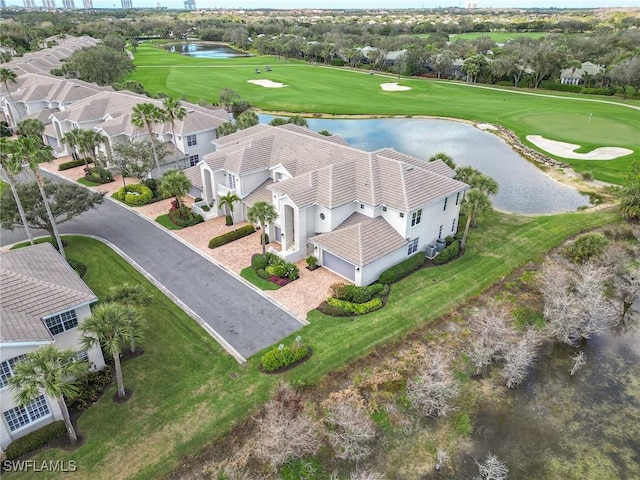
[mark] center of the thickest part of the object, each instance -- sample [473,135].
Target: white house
[358,212]
[577,76]
[43,301]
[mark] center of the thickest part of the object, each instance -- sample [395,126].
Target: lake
[524,188]
[205,50]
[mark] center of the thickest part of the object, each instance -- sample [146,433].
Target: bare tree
[518,358]
[489,330]
[492,469]
[366,475]
[285,431]
[432,392]
[580,360]
[627,286]
[350,428]
[442,458]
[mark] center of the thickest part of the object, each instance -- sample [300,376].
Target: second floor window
[62,322]
[416,217]
[6,369]
[193,160]
[191,141]
[445,205]
[231,181]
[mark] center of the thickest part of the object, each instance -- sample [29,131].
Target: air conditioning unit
[431,251]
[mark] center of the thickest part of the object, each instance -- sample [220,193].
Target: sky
[362,4]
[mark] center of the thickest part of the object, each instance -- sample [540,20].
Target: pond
[524,188]
[559,427]
[205,50]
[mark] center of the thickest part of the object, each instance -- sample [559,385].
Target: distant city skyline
[362,4]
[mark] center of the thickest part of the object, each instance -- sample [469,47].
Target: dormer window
[278,176]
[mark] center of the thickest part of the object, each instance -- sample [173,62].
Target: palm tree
[147,115]
[135,296]
[445,158]
[72,140]
[175,183]
[227,201]
[30,150]
[90,140]
[53,372]
[6,77]
[31,127]
[112,325]
[475,203]
[12,166]
[173,110]
[262,212]
[227,128]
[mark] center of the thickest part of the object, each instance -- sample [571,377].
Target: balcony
[203,208]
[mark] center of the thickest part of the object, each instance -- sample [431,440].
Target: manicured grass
[37,241]
[188,392]
[87,183]
[166,222]
[498,37]
[317,89]
[250,275]
[3,185]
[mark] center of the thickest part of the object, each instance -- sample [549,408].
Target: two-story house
[43,300]
[358,212]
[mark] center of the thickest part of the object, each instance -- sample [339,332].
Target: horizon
[352,5]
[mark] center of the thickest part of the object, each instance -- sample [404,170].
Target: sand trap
[393,87]
[566,150]
[267,83]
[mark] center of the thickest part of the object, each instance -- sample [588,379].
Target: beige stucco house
[42,301]
[358,212]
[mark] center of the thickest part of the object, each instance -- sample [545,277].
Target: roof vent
[409,168]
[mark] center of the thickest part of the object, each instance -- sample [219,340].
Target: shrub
[291,271]
[184,217]
[349,308]
[276,359]
[72,164]
[34,440]
[449,240]
[98,175]
[586,247]
[262,273]
[259,262]
[311,261]
[136,194]
[588,176]
[276,270]
[91,389]
[353,294]
[447,254]
[561,87]
[402,269]
[231,236]
[154,186]
[598,91]
[79,267]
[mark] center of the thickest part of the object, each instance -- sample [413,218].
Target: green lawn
[166,222]
[250,275]
[316,89]
[498,37]
[87,183]
[188,391]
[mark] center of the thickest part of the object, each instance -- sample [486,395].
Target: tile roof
[194,174]
[262,193]
[360,240]
[36,282]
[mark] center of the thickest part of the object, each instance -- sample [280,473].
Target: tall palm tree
[263,213]
[227,201]
[6,77]
[12,166]
[52,371]
[90,140]
[146,115]
[31,127]
[475,202]
[31,151]
[72,140]
[135,296]
[173,110]
[112,325]
[175,183]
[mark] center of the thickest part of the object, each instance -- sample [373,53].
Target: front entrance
[277,234]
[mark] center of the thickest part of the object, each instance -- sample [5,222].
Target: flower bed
[274,269]
[183,216]
[135,195]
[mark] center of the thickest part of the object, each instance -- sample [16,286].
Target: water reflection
[524,188]
[205,50]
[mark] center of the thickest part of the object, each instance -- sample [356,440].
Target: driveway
[243,320]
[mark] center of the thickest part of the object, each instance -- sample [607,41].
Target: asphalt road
[245,320]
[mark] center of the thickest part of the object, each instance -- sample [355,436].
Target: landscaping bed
[274,269]
[349,300]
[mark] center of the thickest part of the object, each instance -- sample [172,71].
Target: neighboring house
[42,302]
[578,76]
[358,212]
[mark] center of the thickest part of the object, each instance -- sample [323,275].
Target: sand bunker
[393,87]
[267,83]
[566,150]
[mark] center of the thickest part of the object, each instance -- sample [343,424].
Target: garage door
[338,265]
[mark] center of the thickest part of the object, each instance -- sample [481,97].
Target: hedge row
[135,195]
[350,308]
[402,269]
[561,87]
[72,164]
[34,440]
[447,254]
[231,236]
[353,294]
[276,359]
